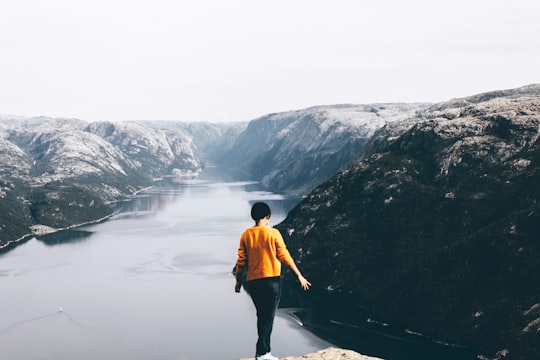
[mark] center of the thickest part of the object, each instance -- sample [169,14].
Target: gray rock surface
[329,354]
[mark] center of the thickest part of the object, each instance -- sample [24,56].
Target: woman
[260,254]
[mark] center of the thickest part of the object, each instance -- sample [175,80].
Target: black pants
[265,294]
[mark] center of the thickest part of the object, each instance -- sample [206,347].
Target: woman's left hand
[304,283]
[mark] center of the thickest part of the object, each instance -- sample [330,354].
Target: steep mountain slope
[295,151]
[210,140]
[158,151]
[15,162]
[57,173]
[436,225]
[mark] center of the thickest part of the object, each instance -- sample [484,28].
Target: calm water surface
[153,282]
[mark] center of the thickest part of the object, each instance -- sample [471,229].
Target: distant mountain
[292,152]
[436,224]
[65,172]
[58,173]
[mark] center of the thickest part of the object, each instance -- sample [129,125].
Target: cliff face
[292,152]
[436,225]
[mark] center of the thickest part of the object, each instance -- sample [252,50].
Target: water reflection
[66,236]
[340,318]
[146,204]
[153,282]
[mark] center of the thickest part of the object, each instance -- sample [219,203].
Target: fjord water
[152,282]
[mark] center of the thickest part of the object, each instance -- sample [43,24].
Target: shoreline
[50,230]
[46,230]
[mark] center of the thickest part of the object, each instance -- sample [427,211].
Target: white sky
[235,60]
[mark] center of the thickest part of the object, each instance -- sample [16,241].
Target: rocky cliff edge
[329,354]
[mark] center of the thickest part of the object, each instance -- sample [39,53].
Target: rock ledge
[329,354]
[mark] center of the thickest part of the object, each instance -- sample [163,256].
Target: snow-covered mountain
[66,171]
[57,173]
[295,151]
[52,164]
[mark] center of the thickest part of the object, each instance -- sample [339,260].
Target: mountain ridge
[58,173]
[435,224]
[293,151]
[430,218]
[111,161]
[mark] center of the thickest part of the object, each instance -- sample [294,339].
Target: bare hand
[304,283]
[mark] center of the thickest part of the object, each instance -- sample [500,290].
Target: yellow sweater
[263,249]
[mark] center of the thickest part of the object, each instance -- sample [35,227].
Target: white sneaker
[267,356]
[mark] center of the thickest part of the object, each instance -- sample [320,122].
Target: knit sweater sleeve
[282,253]
[242,255]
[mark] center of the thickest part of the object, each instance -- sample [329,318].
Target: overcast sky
[235,60]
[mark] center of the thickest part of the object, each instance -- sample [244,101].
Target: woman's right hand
[237,286]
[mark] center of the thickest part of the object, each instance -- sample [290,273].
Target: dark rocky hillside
[294,151]
[436,227]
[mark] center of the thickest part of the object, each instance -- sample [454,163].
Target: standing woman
[260,254]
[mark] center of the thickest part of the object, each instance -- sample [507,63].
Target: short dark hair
[260,210]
